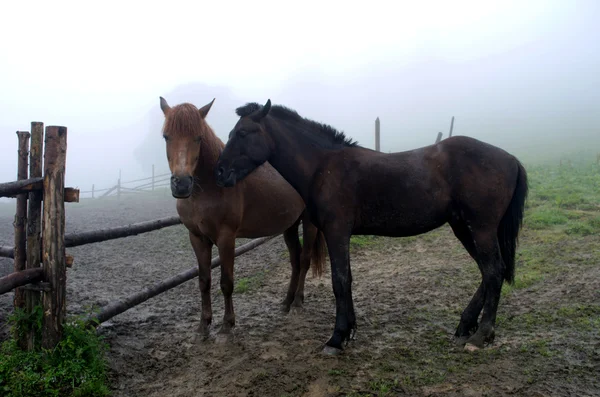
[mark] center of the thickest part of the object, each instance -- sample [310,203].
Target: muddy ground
[408,295]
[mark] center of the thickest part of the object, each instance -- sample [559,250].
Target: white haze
[521,75]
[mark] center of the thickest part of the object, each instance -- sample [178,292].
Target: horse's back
[418,190]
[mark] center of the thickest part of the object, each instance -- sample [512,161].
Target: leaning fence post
[92,191]
[20,222]
[451,127]
[439,137]
[53,235]
[34,220]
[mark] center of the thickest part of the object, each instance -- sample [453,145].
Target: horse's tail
[318,255]
[508,230]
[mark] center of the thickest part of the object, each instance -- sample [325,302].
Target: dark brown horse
[264,205]
[477,188]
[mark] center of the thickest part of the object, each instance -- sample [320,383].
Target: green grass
[358,241]
[75,367]
[246,284]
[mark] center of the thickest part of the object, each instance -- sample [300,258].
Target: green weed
[75,367]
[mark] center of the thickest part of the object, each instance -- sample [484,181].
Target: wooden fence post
[451,127]
[93,191]
[439,137]
[20,222]
[152,177]
[34,220]
[377,135]
[53,235]
[119,186]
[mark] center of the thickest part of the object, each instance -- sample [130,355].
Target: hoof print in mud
[224,339]
[332,351]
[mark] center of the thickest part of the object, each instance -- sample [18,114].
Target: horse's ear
[204,109]
[262,112]
[164,105]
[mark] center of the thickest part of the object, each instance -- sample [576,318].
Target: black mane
[286,114]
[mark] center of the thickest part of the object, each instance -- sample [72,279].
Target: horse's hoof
[331,351]
[284,308]
[460,340]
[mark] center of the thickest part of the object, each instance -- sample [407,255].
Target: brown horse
[477,188]
[264,205]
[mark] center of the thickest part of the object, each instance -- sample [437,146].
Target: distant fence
[437,139]
[148,184]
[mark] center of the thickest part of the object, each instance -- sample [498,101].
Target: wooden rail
[95,236]
[12,189]
[18,279]
[118,307]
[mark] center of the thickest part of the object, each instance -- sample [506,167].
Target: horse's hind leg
[292,241]
[309,237]
[202,248]
[468,319]
[492,270]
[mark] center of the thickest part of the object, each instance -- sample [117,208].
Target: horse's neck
[210,150]
[295,158]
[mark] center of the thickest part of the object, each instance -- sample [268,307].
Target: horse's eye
[243,133]
[197,139]
[166,137]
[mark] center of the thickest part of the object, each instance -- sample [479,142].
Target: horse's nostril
[174,179]
[221,171]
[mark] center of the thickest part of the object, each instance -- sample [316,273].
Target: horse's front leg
[226,244]
[341,277]
[202,248]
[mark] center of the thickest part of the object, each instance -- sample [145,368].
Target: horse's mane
[184,120]
[334,137]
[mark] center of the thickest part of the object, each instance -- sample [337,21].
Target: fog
[520,75]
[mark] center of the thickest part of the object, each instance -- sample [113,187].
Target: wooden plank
[34,221]
[20,253]
[53,235]
[95,236]
[12,189]
[118,307]
[109,191]
[71,195]
[18,279]
[7,252]
[74,240]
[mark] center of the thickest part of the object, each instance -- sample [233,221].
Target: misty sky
[514,69]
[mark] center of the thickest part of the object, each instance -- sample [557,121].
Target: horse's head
[248,146]
[183,131]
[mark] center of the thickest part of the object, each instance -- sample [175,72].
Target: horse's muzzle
[224,178]
[181,186]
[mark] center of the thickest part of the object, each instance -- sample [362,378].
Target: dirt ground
[408,295]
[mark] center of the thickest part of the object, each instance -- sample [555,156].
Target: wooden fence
[40,259]
[148,184]
[437,139]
